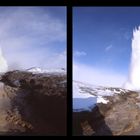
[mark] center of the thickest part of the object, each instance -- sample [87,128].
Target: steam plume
[3,63]
[133,82]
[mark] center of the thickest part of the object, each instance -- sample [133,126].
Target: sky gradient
[102,43]
[33,36]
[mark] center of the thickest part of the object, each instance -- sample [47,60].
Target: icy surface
[86,96]
[80,104]
[36,70]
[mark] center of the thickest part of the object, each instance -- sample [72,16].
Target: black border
[34,2]
[69,5]
[105,2]
[69,70]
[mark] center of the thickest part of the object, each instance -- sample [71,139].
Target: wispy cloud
[79,53]
[31,36]
[108,48]
[97,76]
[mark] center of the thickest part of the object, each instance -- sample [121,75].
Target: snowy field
[86,96]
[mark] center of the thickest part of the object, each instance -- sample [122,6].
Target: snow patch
[100,99]
[87,101]
[86,96]
[36,70]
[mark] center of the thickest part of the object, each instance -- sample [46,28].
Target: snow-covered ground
[36,70]
[86,96]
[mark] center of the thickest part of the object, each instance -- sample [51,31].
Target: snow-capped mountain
[86,96]
[36,70]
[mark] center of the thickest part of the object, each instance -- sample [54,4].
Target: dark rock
[120,116]
[39,99]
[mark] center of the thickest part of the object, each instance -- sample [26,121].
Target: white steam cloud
[33,37]
[133,82]
[3,63]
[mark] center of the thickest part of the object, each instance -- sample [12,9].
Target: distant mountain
[39,70]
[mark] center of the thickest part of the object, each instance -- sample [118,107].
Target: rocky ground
[33,104]
[120,116]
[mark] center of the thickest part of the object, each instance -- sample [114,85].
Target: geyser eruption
[3,63]
[133,82]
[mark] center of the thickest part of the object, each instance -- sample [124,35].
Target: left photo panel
[33,74]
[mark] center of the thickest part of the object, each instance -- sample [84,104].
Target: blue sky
[102,42]
[33,36]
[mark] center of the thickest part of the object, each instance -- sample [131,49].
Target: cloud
[79,53]
[97,76]
[31,36]
[108,48]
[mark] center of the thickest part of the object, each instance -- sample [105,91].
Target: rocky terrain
[120,115]
[33,103]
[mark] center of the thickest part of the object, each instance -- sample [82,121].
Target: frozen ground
[86,96]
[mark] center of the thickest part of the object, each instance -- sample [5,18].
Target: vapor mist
[32,37]
[3,63]
[133,82]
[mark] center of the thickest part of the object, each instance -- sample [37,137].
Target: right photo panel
[106,71]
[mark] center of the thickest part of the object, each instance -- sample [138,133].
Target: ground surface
[33,104]
[120,115]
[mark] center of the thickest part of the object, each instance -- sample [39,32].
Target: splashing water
[133,82]
[3,63]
